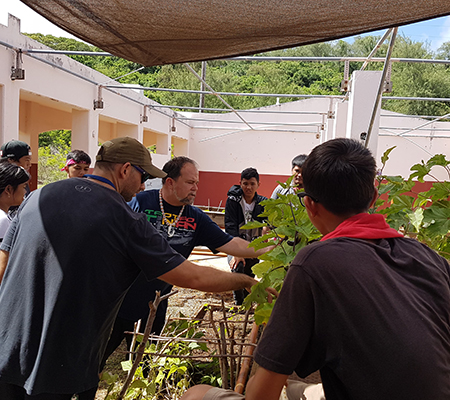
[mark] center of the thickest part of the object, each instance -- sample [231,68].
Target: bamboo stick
[153,305]
[190,356]
[137,326]
[219,347]
[225,359]
[242,378]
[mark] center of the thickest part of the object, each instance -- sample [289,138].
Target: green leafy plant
[423,215]
[169,373]
[290,230]
[51,159]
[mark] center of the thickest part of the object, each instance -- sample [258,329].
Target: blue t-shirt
[194,228]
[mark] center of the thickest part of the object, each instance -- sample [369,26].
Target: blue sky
[435,32]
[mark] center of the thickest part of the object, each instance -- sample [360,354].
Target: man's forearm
[4,256]
[238,247]
[206,279]
[265,385]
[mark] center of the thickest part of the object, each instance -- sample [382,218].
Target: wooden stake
[141,349]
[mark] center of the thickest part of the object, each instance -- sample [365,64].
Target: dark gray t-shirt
[75,249]
[373,318]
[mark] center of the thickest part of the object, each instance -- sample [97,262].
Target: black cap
[15,149]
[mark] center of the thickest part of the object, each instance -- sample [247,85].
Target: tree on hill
[282,77]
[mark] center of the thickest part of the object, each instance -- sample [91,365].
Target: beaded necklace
[171,228]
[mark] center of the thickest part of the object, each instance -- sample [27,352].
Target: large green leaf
[438,159]
[401,203]
[438,219]
[416,218]
[137,384]
[438,191]
[385,155]
[263,268]
[420,170]
[262,313]
[253,225]
[397,220]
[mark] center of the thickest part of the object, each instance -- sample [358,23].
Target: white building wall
[59,93]
[292,129]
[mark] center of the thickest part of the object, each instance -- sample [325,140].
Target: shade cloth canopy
[157,32]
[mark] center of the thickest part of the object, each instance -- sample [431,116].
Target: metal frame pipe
[381,86]
[254,58]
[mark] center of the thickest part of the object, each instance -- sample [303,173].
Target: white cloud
[444,35]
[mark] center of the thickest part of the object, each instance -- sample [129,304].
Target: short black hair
[249,173]
[79,156]
[299,160]
[340,174]
[12,174]
[173,167]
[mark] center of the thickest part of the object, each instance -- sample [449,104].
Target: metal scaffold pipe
[381,86]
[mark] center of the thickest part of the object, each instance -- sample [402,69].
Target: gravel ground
[186,301]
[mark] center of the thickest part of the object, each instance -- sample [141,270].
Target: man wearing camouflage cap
[69,258]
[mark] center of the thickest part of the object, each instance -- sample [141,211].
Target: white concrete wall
[231,147]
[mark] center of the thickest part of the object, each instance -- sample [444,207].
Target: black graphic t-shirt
[194,228]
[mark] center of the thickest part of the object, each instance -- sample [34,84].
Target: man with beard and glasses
[184,226]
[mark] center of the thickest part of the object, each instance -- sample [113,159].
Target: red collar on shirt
[364,226]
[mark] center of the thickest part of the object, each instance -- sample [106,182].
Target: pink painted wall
[215,185]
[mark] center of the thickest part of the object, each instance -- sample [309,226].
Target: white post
[9,111]
[363,95]
[340,119]
[85,132]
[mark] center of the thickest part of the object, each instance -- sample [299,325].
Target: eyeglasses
[144,175]
[304,194]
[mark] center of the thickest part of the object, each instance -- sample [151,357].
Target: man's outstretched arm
[206,279]
[265,385]
[4,256]
[238,247]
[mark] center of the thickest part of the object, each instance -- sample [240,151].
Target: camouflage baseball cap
[127,149]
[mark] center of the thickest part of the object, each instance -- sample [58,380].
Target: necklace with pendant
[171,227]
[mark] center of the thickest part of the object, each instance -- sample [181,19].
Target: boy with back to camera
[365,306]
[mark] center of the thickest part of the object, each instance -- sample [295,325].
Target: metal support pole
[380,88]
[202,87]
[217,95]
[375,49]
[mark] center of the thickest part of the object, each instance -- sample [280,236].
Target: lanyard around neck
[101,179]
